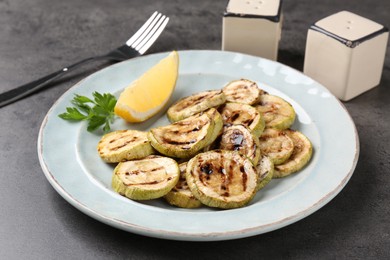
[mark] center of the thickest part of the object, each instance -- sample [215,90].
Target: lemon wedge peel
[148,94]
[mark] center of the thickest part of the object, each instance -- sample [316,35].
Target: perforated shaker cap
[253,8]
[349,26]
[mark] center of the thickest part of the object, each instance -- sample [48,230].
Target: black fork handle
[20,92]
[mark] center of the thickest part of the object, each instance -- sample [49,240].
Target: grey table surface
[39,36]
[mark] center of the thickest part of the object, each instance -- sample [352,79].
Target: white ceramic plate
[68,156]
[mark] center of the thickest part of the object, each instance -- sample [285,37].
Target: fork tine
[149,35]
[146,31]
[152,39]
[141,30]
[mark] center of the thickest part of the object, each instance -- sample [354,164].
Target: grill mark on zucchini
[170,141]
[242,114]
[234,116]
[207,168]
[242,91]
[197,100]
[277,112]
[248,122]
[225,184]
[149,183]
[122,145]
[194,104]
[244,177]
[196,129]
[215,168]
[136,172]
[170,135]
[239,138]
[227,176]
[134,138]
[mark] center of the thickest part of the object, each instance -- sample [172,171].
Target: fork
[137,45]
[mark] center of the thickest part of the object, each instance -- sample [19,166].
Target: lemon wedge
[147,95]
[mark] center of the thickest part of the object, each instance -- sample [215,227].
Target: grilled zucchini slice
[276,144]
[180,195]
[277,112]
[186,137]
[124,145]
[300,156]
[195,104]
[145,179]
[222,179]
[265,170]
[243,114]
[239,138]
[242,91]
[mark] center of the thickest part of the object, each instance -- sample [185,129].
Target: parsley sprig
[98,111]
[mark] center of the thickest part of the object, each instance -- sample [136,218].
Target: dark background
[40,36]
